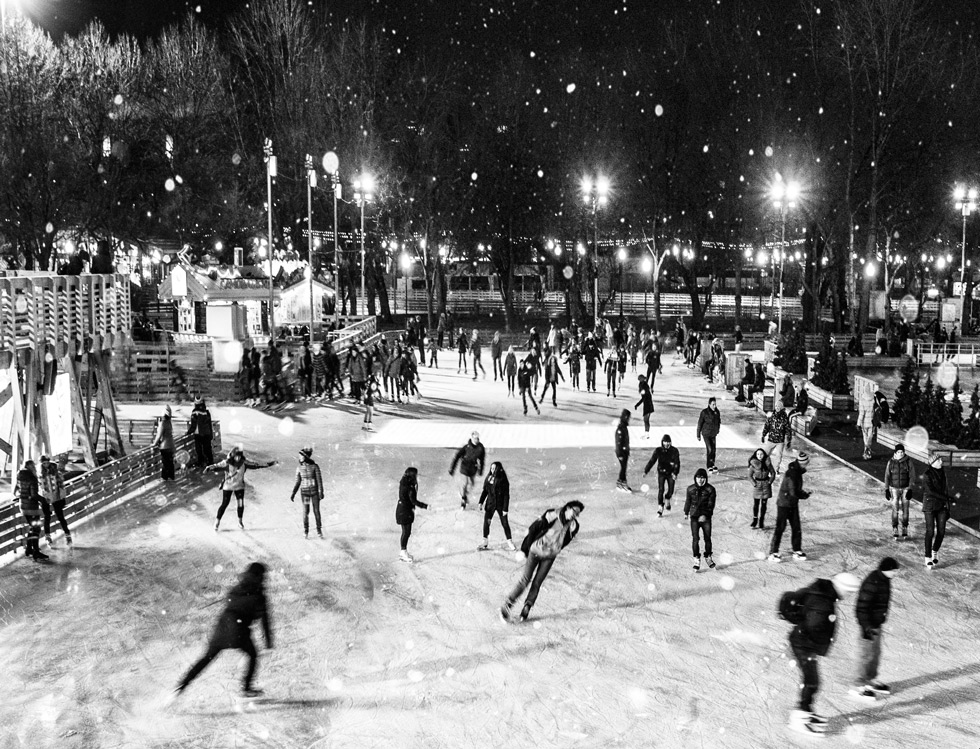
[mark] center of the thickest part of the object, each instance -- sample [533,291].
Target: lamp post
[784,195]
[621,256]
[647,266]
[331,165]
[363,188]
[270,172]
[966,202]
[310,184]
[406,267]
[596,195]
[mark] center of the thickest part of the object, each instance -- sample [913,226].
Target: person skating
[552,373]
[545,539]
[510,369]
[621,363]
[899,474]
[646,400]
[592,354]
[935,507]
[775,434]
[623,449]
[233,482]
[872,612]
[574,359]
[698,508]
[164,440]
[461,348]
[709,424]
[496,351]
[496,499]
[524,382]
[200,426]
[476,351]
[309,484]
[788,508]
[668,462]
[612,361]
[433,352]
[811,637]
[470,458]
[371,391]
[26,494]
[761,474]
[866,421]
[652,360]
[246,602]
[52,489]
[408,500]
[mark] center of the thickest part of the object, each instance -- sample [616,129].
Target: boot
[755,522]
[525,612]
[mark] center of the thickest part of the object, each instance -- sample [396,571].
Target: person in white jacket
[866,420]
[234,467]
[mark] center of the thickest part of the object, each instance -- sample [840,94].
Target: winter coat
[357,368]
[653,359]
[935,490]
[815,632]
[802,401]
[461,344]
[52,485]
[872,602]
[761,474]
[552,372]
[164,438]
[309,479]
[542,525]
[234,469]
[475,350]
[496,492]
[668,460]
[524,375]
[866,408]
[319,364]
[622,439]
[776,427]
[470,459]
[200,423]
[592,353]
[510,364]
[408,500]
[700,499]
[899,473]
[791,489]
[27,492]
[646,399]
[709,422]
[574,361]
[246,603]
[495,347]
[393,367]
[610,367]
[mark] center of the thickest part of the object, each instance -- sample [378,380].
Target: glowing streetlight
[966,203]
[363,194]
[270,172]
[784,196]
[595,194]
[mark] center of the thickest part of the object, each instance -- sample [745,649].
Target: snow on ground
[627,646]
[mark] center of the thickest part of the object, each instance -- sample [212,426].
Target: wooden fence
[161,371]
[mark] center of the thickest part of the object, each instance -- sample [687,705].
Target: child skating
[408,500]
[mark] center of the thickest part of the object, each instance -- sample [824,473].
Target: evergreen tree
[970,438]
[954,418]
[824,365]
[903,410]
[939,413]
[924,414]
[791,353]
[841,382]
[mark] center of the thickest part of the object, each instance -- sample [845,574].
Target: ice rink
[626,647]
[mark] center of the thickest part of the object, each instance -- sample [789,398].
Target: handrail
[957,353]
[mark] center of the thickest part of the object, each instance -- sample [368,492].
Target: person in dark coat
[52,490]
[761,474]
[935,507]
[623,449]
[899,475]
[709,424]
[525,377]
[26,493]
[200,426]
[872,611]
[496,499]
[164,440]
[698,508]
[811,638]
[668,461]
[546,537]
[246,603]
[592,354]
[788,508]
[470,458]
[646,400]
[552,373]
[408,500]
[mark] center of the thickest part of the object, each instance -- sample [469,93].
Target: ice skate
[668,506]
[217,523]
[525,612]
[710,561]
[241,524]
[404,556]
[863,694]
[483,546]
[697,563]
[505,613]
[510,545]
[879,687]
[48,539]
[252,693]
[803,722]
[774,557]
[799,555]
[755,523]
[660,511]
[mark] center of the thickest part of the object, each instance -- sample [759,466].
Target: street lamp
[270,172]
[784,196]
[646,266]
[406,267]
[595,194]
[966,202]
[621,256]
[363,189]
[331,164]
[310,184]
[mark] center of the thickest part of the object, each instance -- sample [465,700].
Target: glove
[450,473]
[703,519]
[687,517]
[292,498]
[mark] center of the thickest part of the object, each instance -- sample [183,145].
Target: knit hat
[899,446]
[665,438]
[306,451]
[888,564]
[701,474]
[803,459]
[845,583]
[199,401]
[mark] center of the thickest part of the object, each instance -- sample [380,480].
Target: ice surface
[626,647]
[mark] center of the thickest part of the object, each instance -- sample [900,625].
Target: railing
[956,353]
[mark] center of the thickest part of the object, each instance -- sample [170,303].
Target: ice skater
[935,507]
[646,400]
[371,391]
[698,508]
[510,369]
[309,484]
[574,358]
[233,482]
[592,354]
[408,500]
[872,611]
[164,440]
[761,474]
[461,348]
[496,499]
[788,508]
[470,458]
[709,424]
[552,373]
[26,493]
[623,449]
[546,537]
[815,621]
[775,436]
[668,462]
[476,352]
[524,383]
[200,426]
[612,361]
[246,603]
[899,475]
[52,488]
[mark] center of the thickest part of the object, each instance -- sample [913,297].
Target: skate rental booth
[57,334]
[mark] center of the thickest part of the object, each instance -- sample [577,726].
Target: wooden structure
[55,327]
